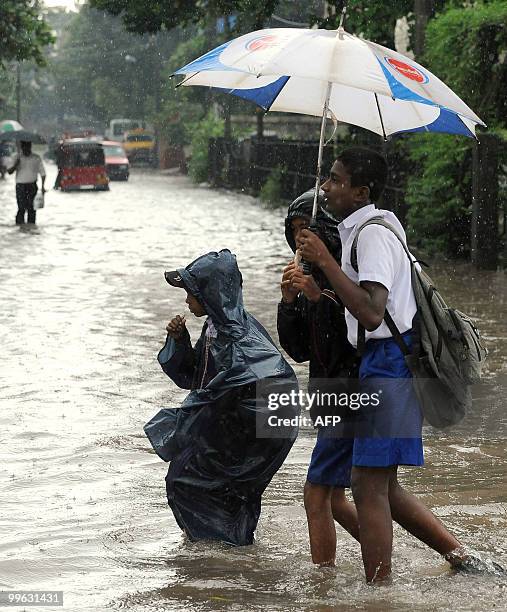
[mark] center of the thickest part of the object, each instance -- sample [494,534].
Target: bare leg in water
[417,519]
[370,488]
[324,505]
[380,499]
[344,512]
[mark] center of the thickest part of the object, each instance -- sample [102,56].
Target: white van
[117,127]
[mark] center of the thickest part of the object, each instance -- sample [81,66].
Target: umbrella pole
[306,265]
[319,158]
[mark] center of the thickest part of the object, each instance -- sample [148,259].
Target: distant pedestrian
[28,166]
[59,160]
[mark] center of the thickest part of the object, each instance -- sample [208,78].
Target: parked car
[81,165]
[140,147]
[117,163]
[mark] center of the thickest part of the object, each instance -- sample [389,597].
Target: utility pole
[484,226]
[18,92]
[422,12]
[259,113]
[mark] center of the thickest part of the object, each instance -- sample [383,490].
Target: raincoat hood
[327,226]
[215,280]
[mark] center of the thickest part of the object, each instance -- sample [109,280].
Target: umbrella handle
[307,266]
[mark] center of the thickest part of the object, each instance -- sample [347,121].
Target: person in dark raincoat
[219,463]
[311,327]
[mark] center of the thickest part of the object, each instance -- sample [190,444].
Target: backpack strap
[383,223]
[361,332]
[398,338]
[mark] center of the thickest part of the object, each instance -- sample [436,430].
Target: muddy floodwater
[83,308]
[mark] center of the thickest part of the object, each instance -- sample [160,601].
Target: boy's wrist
[326,261]
[288,306]
[314,296]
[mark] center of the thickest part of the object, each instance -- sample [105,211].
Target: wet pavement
[83,311]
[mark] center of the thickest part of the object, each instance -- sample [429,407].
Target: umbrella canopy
[9,125]
[333,73]
[381,114]
[290,70]
[22,136]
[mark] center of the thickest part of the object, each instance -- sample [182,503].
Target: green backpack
[447,352]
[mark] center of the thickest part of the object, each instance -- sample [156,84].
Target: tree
[157,15]
[23,32]
[95,71]
[465,47]
[102,71]
[372,19]
[478,72]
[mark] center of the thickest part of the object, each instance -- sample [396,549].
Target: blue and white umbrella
[331,73]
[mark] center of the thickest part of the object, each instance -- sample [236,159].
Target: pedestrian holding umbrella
[331,73]
[27,167]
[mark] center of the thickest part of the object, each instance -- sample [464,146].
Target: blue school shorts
[331,461]
[400,418]
[382,366]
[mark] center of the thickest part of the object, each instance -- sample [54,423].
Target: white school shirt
[380,258]
[29,168]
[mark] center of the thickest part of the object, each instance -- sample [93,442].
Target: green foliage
[156,15]
[105,70]
[38,102]
[271,191]
[202,131]
[467,48]
[23,32]
[375,20]
[439,194]
[182,107]
[99,71]
[372,20]
[7,92]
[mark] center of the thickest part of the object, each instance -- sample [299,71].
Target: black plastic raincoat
[219,466]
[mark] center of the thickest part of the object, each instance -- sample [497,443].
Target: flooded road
[83,311]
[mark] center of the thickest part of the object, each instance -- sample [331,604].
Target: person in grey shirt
[27,166]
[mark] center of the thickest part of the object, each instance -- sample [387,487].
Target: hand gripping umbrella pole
[307,266]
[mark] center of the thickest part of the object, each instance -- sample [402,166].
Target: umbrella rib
[186,79]
[380,116]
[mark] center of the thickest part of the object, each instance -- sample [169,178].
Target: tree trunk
[422,11]
[484,230]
